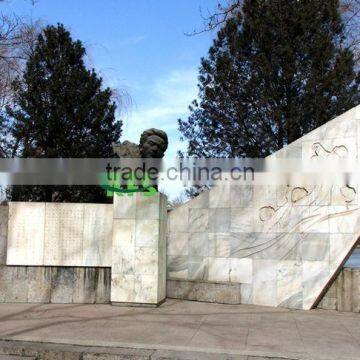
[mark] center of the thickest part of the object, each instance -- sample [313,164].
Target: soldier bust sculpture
[153,144]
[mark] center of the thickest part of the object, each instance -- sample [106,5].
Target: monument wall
[68,252]
[46,284]
[264,245]
[59,234]
[283,244]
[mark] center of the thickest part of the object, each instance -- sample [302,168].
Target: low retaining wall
[39,284]
[204,291]
[344,293]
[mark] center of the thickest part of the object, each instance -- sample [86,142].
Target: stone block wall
[64,285]
[222,293]
[139,249]
[344,293]
[40,284]
[281,244]
[70,252]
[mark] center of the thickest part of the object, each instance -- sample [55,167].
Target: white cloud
[168,101]
[133,40]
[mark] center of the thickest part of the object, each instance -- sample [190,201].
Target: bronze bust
[153,144]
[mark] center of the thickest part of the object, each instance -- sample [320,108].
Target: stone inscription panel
[98,220]
[59,234]
[26,234]
[64,224]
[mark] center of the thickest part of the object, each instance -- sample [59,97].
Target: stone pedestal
[138,275]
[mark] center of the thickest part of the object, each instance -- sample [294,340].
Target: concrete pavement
[179,326]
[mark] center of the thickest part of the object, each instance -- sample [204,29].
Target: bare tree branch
[17,41]
[217,18]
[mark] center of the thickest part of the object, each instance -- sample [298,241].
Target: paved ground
[189,326]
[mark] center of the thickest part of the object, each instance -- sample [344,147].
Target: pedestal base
[138,271]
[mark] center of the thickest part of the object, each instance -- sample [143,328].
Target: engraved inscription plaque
[26,234]
[98,219]
[64,234]
[59,234]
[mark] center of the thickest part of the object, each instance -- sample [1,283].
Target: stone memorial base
[53,284]
[205,291]
[138,271]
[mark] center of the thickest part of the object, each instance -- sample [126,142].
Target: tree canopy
[62,110]
[276,70]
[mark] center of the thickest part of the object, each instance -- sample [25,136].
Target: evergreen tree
[276,70]
[62,111]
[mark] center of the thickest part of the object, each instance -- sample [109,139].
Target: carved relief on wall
[336,152]
[297,195]
[266,213]
[348,193]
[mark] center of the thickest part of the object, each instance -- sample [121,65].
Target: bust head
[153,143]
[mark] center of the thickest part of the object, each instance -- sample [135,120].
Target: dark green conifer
[275,71]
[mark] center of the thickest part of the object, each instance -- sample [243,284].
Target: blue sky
[138,46]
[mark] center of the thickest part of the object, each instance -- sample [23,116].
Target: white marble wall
[282,243]
[59,234]
[138,273]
